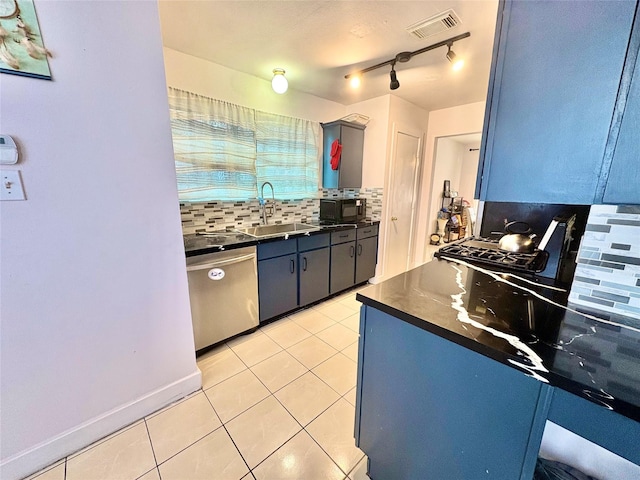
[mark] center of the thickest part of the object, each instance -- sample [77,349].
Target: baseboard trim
[40,456]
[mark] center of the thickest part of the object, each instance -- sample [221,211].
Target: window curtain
[214,144]
[226,152]
[287,155]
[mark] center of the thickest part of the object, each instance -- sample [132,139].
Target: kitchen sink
[263,231]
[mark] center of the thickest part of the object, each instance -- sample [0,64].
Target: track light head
[456,63]
[395,84]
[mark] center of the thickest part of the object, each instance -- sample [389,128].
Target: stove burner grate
[486,252]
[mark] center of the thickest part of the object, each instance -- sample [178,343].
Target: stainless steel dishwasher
[223,290]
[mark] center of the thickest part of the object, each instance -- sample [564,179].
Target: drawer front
[343,236]
[313,242]
[366,232]
[276,249]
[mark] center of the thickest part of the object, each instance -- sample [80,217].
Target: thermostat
[8,150]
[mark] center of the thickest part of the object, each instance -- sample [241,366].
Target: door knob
[393,219]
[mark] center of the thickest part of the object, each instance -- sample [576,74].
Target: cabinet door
[351,162]
[555,83]
[314,275]
[277,285]
[623,185]
[427,408]
[349,172]
[366,258]
[343,262]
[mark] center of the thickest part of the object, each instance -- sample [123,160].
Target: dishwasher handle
[221,263]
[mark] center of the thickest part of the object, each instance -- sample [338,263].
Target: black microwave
[342,210]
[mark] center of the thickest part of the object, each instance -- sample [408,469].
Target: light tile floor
[276,404]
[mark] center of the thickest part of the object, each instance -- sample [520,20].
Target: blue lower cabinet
[277,285]
[314,276]
[343,264]
[366,258]
[597,424]
[427,408]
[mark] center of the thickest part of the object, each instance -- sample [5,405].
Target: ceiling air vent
[436,24]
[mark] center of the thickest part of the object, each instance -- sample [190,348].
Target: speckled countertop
[522,324]
[198,244]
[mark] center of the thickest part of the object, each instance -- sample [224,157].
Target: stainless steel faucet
[268,206]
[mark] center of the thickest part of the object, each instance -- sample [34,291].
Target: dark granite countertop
[522,324]
[199,244]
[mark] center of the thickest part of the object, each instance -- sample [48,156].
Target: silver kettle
[518,239]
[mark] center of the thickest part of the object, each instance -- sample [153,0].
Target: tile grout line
[153,450]
[229,435]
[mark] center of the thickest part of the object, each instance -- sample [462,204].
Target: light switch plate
[11,185]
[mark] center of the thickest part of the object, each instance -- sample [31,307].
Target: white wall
[96,328]
[375,138]
[447,166]
[469,172]
[215,81]
[442,123]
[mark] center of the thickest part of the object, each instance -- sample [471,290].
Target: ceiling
[319,42]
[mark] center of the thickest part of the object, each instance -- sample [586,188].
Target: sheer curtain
[226,152]
[287,155]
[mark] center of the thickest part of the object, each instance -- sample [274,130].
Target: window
[225,152]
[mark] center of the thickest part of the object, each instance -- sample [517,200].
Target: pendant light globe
[279,82]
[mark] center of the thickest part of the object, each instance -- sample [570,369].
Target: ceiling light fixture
[394,80]
[456,63]
[404,57]
[279,82]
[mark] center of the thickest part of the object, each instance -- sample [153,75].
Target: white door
[401,206]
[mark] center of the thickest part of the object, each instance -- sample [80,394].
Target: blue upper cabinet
[554,83]
[349,169]
[622,173]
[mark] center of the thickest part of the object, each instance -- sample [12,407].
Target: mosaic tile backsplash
[607,276]
[219,215]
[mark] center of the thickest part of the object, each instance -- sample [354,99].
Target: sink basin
[262,231]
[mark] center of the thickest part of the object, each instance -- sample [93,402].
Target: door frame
[417,187]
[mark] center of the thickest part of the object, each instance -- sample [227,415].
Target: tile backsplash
[226,215]
[607,276]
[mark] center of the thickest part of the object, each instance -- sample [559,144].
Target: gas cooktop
[485,251]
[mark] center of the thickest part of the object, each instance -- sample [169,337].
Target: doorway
[455,159]
[404,174]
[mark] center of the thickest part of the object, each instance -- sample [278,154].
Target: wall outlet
[11,186]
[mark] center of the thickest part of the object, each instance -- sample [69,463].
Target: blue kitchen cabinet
[366,253]
[429,408]
[277,278]
[623,180]
[349,172]
[343,260]
[554,82]
[596,423]
[313,261]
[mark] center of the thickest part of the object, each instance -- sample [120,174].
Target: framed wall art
[22,50]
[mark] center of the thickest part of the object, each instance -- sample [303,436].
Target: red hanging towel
[336,151]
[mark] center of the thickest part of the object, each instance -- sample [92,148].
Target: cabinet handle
[359,249]
[292,266]
[304,264]
[352,251]
[343,236]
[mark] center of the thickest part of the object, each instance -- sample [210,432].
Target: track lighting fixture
[404,57]
[456,63]
[394,81]
[279,82]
